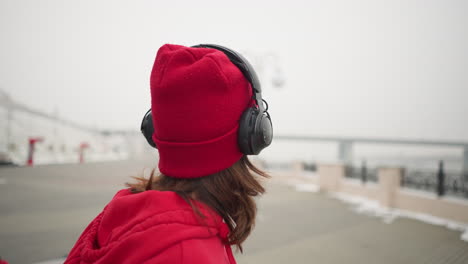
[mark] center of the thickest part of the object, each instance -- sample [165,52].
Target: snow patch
[52,261]
[388,215]
[301,186]
[358,182]
[307,187]
[309,174]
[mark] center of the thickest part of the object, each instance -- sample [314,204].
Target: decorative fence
[440,181]
[363,173]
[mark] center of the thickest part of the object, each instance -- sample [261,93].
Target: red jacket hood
[136,228]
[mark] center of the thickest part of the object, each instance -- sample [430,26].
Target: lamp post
[268,67]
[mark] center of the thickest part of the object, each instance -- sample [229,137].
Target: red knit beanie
[197,99]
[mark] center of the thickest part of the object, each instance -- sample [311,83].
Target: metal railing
[442,182]
[362,173]
[439,181]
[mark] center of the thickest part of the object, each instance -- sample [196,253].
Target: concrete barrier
[389,193]
[330,176]
[389,182]
[410,200]
[356,187]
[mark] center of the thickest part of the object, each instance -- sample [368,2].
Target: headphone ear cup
[246,130]
[147,128]
[263,134]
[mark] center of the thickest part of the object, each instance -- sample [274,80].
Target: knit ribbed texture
[197,99]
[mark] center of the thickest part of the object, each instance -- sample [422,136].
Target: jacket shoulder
[149,227]
[193,251]
[130,213]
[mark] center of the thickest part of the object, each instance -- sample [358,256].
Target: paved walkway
[44,209]
[301,227]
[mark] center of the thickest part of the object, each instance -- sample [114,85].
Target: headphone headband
[244,66]
[255,127]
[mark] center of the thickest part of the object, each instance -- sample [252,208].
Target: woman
[207,114]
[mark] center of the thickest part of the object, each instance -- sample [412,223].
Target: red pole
[32,143]
[81,156]
[83,146]
[31,152]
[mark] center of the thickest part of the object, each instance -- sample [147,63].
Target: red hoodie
[153,227]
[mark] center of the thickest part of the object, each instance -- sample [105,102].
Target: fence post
[389,183]
[330,176]
[464,181]
[364,172]
[441,179]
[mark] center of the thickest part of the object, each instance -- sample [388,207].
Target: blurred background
[363,84]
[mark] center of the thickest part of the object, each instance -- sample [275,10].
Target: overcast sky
[351,68]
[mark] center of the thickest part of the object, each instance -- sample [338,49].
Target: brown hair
[229,192]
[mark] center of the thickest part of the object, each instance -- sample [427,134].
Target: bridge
[345,145]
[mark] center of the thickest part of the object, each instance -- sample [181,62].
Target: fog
[78,73]
[350,68]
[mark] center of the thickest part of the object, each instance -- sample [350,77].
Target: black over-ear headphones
[255,127]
